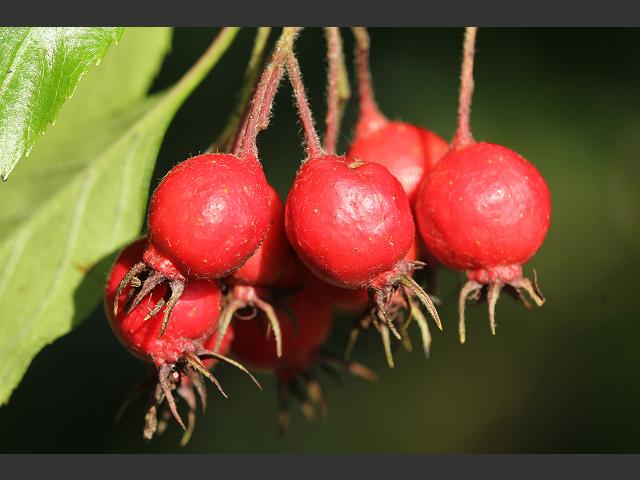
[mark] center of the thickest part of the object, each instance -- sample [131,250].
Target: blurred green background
[563,378]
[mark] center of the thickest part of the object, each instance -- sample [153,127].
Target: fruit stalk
[314,148]
[463,136]
[368,105]
[237,121]
[338,91]
[258,117]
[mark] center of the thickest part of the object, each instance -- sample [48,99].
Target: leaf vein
[72,238]
[13,61]
[14,255]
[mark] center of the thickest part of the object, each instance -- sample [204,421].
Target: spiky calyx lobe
[409,152]
[195,316]
[302,336]
[223,347]
[348,221]
[268,263]
[484,208]
[209,214]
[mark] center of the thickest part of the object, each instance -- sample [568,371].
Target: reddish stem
[371,119]
[258,116]
[227,141]
[463,136]
[332,121]
[236,144]
[314,149]
[269,95]
[265,111]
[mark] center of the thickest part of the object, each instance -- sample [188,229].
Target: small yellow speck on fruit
[355,164]
[391,243]
[478,242]
[450,182]
[213,161]
[315,210]
[226,190]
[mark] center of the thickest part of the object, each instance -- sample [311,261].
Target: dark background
[563,378]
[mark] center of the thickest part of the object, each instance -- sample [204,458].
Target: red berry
[351,224]
[183,348]
[484,208]
[348,221]
[196,315]
[409,152]
[208,216]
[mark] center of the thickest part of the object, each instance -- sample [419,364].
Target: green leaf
[84,196]
[40,68]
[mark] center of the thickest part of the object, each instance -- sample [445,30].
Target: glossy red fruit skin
[348,221]
[267,264]
[409,152]
[207,216]
[194,317]
[301,338]
[484,209]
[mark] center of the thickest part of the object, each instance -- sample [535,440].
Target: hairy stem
[262,101]
[314,149]
[338,91]
[463,136]
[234,130]
[370,116]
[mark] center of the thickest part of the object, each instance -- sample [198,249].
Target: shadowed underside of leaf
[40,68]
[54,256]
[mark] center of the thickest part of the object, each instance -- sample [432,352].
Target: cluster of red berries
[226,267]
